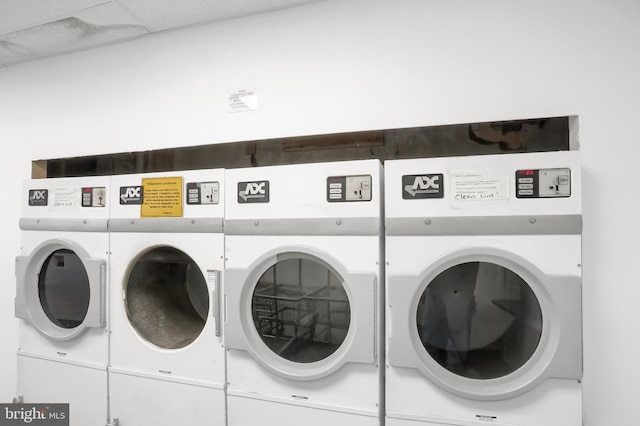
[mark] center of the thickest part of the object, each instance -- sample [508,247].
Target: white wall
[345,65]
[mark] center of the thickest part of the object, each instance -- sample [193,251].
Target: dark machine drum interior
[301,310]
[167,298]
[479,320]
[63,288]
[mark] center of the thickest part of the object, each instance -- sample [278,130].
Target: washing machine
[61,284]
[483,283]
[302,293]
[167,358]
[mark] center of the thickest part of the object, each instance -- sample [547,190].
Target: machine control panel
[543,183]
[203,192]
[348,188]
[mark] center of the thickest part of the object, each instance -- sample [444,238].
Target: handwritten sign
[479,185]
[66,197]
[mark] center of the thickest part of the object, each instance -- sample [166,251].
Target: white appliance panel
[353,389]
[555,401]
[327,218]
[189,246]
[66,214]
[249,411]
[203,359]
[521,212]
[562,259]
[494,174]
[300,191]
[125,206]
[244,252]
[83,388]
[145,401]
[65,198]
[89,347]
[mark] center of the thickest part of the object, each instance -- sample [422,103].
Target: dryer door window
[167,298]
[479,320]
[301,310]
[63,288]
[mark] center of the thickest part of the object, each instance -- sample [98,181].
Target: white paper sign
[243,100]
[479,185]
[66,197]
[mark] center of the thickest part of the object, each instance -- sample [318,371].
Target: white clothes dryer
[167,362]
[484,317]
[303,247]
[61,280]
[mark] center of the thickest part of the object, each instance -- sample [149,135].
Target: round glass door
[301,310]
[167,298]
[63,289]
[479,320]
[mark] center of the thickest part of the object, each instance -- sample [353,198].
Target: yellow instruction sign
[162,197]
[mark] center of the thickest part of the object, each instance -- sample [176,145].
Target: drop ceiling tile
[31,29]
[161,15]
[97,26]
[19,14]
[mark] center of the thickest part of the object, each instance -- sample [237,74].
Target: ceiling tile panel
[161,15]
[19,14]
[32,29]
[96,26]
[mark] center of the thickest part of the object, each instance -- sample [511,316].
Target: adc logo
[422,186]
[130,195]
[253,192]
[38,197]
